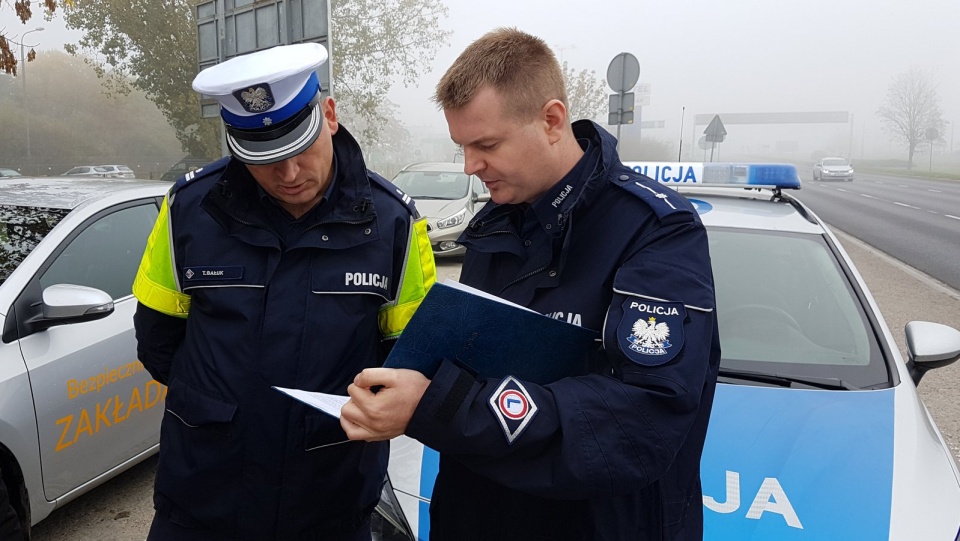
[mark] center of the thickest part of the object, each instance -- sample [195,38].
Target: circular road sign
[623,72]
[932,134]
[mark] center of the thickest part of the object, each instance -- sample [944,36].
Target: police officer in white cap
[287,264]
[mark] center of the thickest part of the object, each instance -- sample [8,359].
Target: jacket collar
[350,198]
[584,180]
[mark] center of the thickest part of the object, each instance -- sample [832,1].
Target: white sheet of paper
[327,403]
[463,287]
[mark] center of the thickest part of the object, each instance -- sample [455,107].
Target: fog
[713,57]
[745,56]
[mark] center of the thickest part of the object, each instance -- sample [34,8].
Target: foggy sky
[714,56]
[710,56]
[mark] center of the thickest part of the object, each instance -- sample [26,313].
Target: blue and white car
[817,429]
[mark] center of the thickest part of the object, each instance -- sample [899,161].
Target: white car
[87,171]
[76,406]
[817,431]
[833,169]
[447,197]
[118,171]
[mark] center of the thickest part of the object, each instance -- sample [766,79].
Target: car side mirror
[481,197]
[68,303]
[930,345]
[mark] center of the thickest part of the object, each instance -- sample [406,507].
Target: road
[121,509]
[914,220]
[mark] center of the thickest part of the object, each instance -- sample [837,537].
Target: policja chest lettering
[366,279]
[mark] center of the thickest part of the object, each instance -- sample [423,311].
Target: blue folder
[494,338]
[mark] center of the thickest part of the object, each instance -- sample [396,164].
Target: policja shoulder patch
[513,406]
[650,332]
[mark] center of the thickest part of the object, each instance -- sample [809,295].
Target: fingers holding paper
[382,401]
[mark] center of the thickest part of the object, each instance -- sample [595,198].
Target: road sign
[932,134]
[623,72]
[624,104]
[615,118]
[715,132]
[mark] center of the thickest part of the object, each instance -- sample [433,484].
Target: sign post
[715,133]
[622,73]
[932,135]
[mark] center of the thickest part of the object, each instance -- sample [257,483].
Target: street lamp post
[23,76]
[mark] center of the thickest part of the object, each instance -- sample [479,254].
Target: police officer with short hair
[286,264]
[610,455]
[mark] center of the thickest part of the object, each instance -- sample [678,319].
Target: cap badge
[256,99]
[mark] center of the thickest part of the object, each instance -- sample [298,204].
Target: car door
[96,406]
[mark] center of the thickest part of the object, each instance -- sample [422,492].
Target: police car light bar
[739,175]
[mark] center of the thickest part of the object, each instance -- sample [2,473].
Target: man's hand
[384,414]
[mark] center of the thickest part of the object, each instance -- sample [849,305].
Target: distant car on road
[119,171]
[833,169]
[88,171]
[6,173]
[76,406]
[447,197]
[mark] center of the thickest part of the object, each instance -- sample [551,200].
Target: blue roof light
[741,175]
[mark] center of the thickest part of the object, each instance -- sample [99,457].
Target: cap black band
[277,131]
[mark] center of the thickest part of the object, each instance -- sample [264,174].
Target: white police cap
[269,101]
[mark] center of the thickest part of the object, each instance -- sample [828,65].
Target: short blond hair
[520,67]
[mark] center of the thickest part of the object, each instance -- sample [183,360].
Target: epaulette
[396,192]
[662,200]
[201,172]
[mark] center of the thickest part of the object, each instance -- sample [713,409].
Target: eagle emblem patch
[255,99]
[650,333]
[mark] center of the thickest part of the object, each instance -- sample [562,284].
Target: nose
[286,170]
[472,163]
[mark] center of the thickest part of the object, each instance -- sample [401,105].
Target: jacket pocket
[196,410]
[201,456]
[322,431]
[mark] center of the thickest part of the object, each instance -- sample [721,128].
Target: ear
[554,115]
[329,108]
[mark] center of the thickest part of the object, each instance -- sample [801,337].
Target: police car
[817,430]
[76,406]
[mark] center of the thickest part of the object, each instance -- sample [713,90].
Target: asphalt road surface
[121,509]
[914,220]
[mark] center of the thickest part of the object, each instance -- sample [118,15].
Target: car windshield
[433,184]
[835,161]
[784,306]
[21,230]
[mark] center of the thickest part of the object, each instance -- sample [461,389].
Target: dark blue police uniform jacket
[237,457]
[612,455]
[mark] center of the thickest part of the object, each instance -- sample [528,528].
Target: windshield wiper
[786,380]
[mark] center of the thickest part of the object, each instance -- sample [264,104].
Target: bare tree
[912,107]
[586,93]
